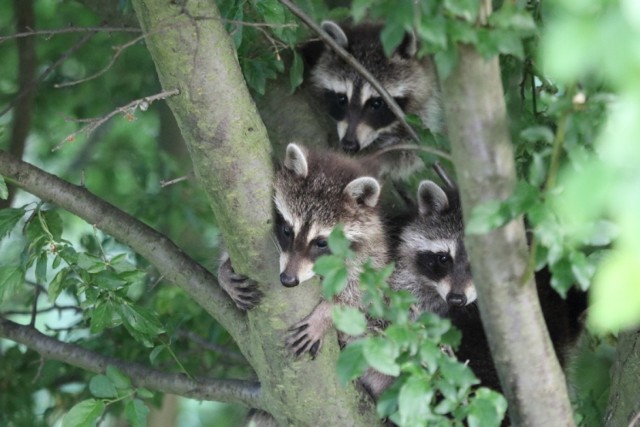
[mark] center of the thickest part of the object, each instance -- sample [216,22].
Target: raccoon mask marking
[362,117]
[433,262]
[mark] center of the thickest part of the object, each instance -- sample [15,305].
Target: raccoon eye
[444,259]
[376,103]
[287,231]
[342,100]
[321,243]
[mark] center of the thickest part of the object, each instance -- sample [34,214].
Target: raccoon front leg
[243,291]
[307,334]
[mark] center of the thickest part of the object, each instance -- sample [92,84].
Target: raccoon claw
[243,291]
[302,339]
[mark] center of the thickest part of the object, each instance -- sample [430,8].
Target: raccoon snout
[350,145]
[457,300]
[288,281]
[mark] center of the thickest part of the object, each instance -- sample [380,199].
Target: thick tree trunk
[530,375]
[623,408]
[230,151]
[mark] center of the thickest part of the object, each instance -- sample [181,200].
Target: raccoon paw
[303,337]
[243,291]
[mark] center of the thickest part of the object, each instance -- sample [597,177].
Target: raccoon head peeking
[313,193]
[362,117]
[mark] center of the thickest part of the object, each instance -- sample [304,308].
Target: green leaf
[41,268]
[103,316]
[4,191]
[136,412]
[562,276]
[457,373]
[391,36]
[446,61]
[296,71]
[334,274]
[8,219]
[509,17]
[488,216]
[381,355]
[144,393]
[351,362]
[156,352]
[349,320]
[101,386]
[108,280]
[430,355]
[90,263]
[359,9]
[56,285]
[141,323]
[11,279]
[433,30]
[414,401]
[338,242]
[465,9]
[118,378]
[538,133]
[487,409]
[84,414]
[582,268]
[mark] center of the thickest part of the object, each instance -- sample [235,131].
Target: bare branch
[237,391]
[51,33]
[355,64]
[167,183]
[129,109]
[114,58]
[170,261]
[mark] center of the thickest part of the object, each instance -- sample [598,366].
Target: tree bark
[231,154]
[529,372]
[623,408]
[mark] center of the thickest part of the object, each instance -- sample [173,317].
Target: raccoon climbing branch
[235,391]
[342,53]
[170,261]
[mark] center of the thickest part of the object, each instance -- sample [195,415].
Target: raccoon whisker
[411,147]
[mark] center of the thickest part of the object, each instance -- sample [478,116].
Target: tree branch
[172,263]
[530,374]
[236,391]
[57,31]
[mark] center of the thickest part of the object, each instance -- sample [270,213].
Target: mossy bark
[231,155]
[530,375]
[623,408]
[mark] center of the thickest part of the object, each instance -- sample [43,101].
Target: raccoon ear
[336,33]
[364,190]
[408,47]
[431,198]
[296,161]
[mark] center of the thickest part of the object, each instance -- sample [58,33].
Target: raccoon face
[310,200]
[436,243]
[362,116]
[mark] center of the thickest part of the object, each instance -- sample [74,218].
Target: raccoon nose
[457,300]
[288,281]
[350,145]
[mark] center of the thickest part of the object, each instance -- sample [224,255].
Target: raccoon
[432,264]
[364,121]
[314,192]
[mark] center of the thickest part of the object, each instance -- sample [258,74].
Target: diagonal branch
[172,263]
[236,391]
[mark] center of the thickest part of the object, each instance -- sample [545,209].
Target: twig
[245,392]
[444,177]
[164,183]
[402,147]
[48,71]
[34,307]
[142,103]
[114,58]
[347,57]
[42,310]
[69,30]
